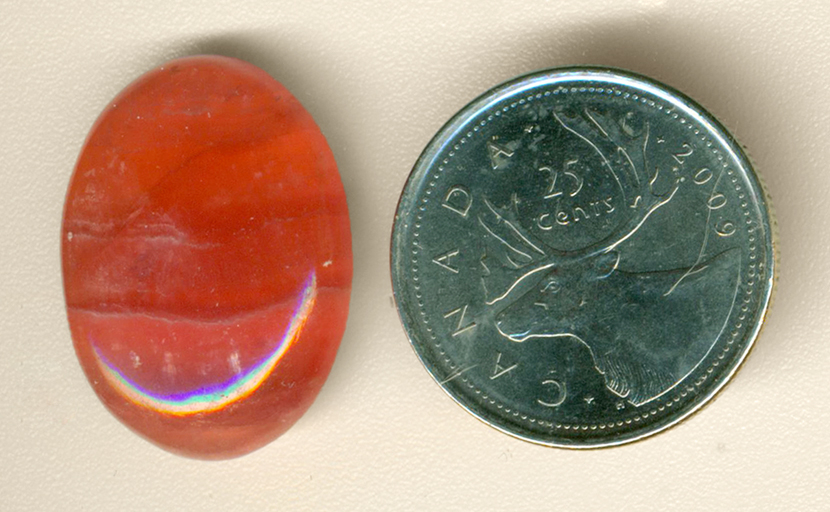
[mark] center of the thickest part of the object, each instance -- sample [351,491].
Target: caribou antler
[518,246]
[625,154]
[511,245]
[602,133]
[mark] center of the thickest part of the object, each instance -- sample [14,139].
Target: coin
[582,257]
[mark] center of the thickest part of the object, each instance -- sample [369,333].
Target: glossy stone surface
[206,257]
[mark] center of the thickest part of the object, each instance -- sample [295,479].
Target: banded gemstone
[206,255]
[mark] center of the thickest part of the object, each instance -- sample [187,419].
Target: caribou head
[630,322]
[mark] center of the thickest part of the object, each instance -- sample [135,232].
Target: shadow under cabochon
[206,257]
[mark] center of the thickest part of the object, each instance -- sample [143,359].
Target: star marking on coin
[589,400]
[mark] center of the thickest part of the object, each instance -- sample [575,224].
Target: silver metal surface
[582,257]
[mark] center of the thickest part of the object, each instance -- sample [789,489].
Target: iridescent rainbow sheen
[215,397]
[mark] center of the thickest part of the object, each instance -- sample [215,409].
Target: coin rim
[618,76]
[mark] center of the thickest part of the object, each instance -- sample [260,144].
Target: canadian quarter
[582,257]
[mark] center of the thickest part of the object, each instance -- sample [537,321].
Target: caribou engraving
[645,331]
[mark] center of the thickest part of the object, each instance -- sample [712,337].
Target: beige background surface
[381,78]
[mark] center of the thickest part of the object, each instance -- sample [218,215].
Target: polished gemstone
[206,257]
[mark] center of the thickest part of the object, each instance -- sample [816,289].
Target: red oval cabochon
[207,257]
